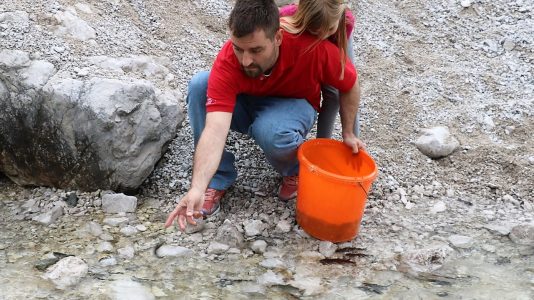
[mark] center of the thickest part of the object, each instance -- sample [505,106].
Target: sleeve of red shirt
[331,71]
[222,83]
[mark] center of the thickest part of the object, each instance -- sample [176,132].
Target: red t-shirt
[298,73]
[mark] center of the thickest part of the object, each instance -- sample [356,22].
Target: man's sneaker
[288,188]
[212,202]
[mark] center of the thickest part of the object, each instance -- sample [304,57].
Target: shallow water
[508,273]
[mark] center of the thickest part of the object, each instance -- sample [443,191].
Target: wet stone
[115,221]
[253,227]
[258,246]
[228,234]
[127,252]
[72,199]
[283,226]
[272,263]
[327,248]
[198,227]
[50,216]
[115,203]
[67,272]
[104,247]
[523,234]
[270,278]
[171,250]
[108,261]
[129,230]
[217,248]
[461,241]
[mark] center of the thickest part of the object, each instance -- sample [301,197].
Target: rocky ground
[457,227]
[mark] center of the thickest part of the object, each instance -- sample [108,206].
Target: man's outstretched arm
[206,160]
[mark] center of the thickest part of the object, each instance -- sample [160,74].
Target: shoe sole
[216,211]
[286,199]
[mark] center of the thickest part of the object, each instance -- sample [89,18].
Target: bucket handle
[313,169]
[361,185]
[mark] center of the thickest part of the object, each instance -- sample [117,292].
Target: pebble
[466,3]
[129,230]
[108,261]
[438,207]
[106,237]
[228,234]
[437,142]
[50,216]
[201,224]
[172,250]
[105,247]
[141,227]
[523,234]
[116,203]
[127,252]
[309,285]
[259,246]
[327,248]
[217,248]
[272,263]
[283,226]
[253,227]
[461,241]
[270,278]
[67,272]
[115,221]
[94,228]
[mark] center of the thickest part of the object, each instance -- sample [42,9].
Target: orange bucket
[333,187]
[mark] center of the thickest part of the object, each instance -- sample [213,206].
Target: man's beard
[253,70]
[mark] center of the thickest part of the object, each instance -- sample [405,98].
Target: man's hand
[187,209]
[354,143]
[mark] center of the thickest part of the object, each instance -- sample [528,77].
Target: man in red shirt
[265,83]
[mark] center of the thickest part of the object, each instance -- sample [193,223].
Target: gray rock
[258,246]
[90,134]
[217,248]
[270,278]
[436,142]
[461,241]
[438,207]
[283,226]
[499,229]
[126,289]
[272,263]
[129,230]
[94,228]
[107,261]
[228,234]
[253,227]
[172,250]
[198,227]
[67,272]
[105,247]
[70,24]
[425,260]
[523,234]
[115,221]
[327,248]
[14,59]
[308,285]
[50,216]
[127,252]
[116,203]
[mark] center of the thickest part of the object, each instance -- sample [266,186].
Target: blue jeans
[277,125]
[330,104]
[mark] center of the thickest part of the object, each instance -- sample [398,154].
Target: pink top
[291,9]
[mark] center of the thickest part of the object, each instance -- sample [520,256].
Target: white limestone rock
[117,203]
[436,142]
[173,250]
[67,272]
[50,216]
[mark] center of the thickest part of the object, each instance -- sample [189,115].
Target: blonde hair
[317,17]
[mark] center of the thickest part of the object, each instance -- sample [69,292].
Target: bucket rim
[349,179]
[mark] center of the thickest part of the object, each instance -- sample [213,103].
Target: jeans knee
[280,144]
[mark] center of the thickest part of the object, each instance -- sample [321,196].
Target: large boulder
[84,133]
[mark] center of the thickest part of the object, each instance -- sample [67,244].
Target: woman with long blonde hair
[326,19]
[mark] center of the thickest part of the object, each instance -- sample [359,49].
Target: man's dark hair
[249,15]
